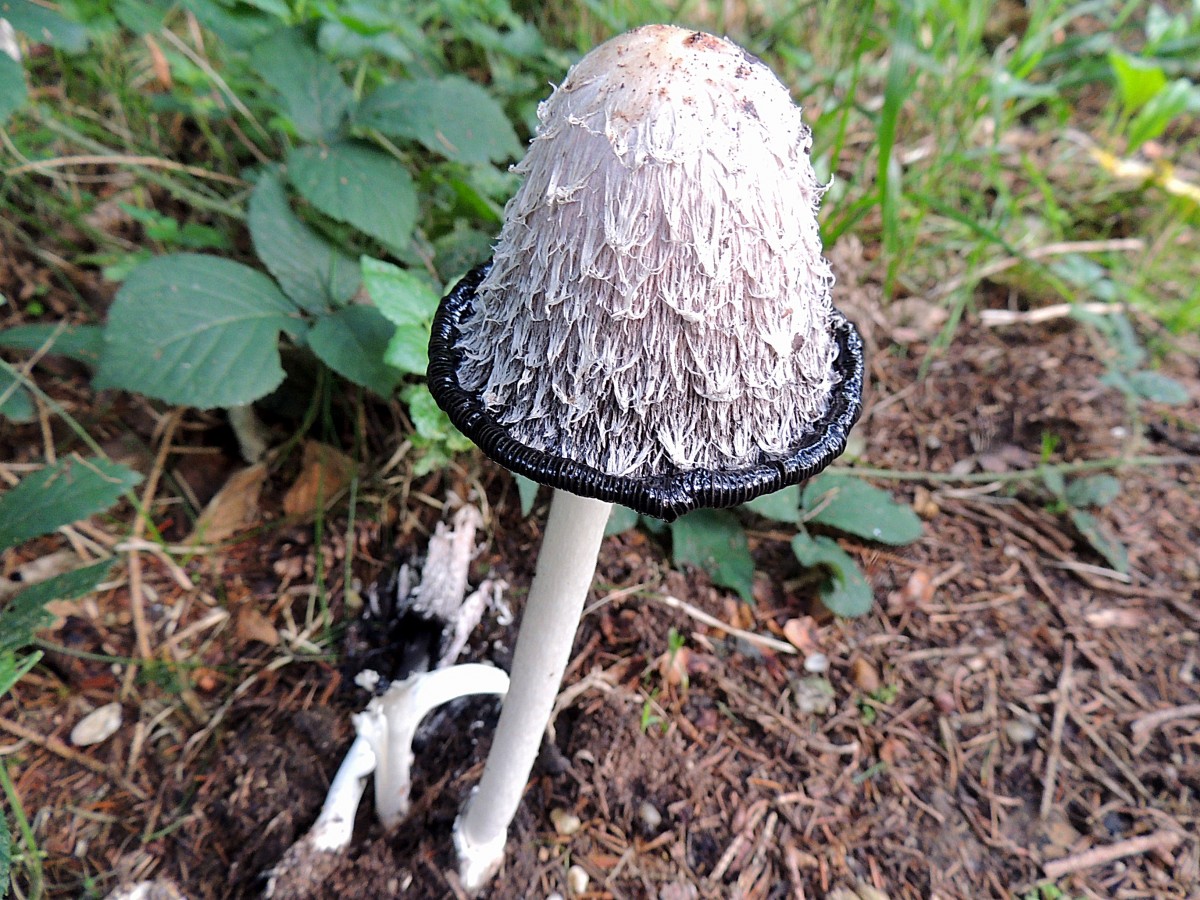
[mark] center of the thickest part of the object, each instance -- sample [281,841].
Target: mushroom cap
[655,327]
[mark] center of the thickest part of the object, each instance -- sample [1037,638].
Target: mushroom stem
[389,723]
[565,567]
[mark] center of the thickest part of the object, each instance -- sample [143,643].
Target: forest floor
[1012,719]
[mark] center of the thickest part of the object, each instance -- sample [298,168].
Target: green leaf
[408,350]
[1138,80]
[70,490]
[315,275]
[620,520]
[1095,490]
[451,116]
[16,403]
[851,505]
[714,540]
[197,331]
[312,89]
[352,342]
[1163,108]
[239,26]
[1110,548]
[782,506]
[845,592]
[430,421]
[45,26]
[1158,388]
[403,296]
[26,612]
[82,343]
[527,491]
[141,17]
[13,91]
[354,183]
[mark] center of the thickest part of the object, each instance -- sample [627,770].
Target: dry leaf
[254,626]
[235,507]
[802,634]
[324,472]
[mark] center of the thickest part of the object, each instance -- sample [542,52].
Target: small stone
[649,816]
[98,725]
[816,663]
[1020,731]
[555,896]
[565,823]
[577,880]
[864,675]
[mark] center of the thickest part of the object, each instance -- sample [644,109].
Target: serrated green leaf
[1109,547]
[1095,490]
[82,343]
[16,403]
[352,182]
[196,331]
[408,350]
[782,506]
[70,490]
[620,520]
[45,26]
[315,275]
[527,491]
[845,592]
[430,421]
[13,91]
[25,613]
[404,297]
[851,505]
[713,540]
[312,89]
[352,342]
[1158,388]
[452,116]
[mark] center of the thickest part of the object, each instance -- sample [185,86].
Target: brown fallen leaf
[252,625]
[324,472]
[802,634]
[233,508]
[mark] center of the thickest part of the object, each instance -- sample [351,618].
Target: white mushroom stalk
[390,721]
[565,567]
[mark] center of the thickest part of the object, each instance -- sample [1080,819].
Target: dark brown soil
[1009,702]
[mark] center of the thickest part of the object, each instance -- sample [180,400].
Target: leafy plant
[715,540]
[71,489]
[1076,498]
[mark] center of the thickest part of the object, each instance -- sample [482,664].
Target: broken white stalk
[565,567]
[390,721]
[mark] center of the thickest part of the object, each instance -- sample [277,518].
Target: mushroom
[655,329]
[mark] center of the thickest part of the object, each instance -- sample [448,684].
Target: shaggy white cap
[658,298]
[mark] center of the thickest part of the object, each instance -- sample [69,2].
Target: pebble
[565,823]
[816,663]
[650,816]
[1020,731]
[577,880]
[98,725]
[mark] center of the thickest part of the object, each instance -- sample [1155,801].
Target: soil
[1012,712]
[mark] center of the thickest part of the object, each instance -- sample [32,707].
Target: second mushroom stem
[565,567]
